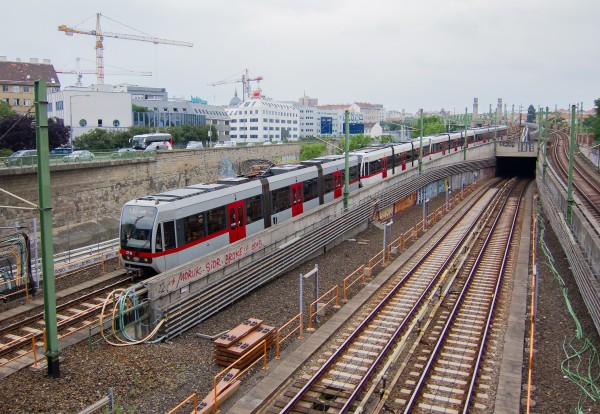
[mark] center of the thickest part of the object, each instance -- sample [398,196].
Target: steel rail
[373,314]
[493,304]
[450,319]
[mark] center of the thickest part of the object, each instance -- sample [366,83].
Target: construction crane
[80,72]
[245,80]
[100,35]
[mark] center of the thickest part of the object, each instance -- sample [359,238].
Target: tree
[431,125]
[531,115]
[5,110]
[309,151]
[596,121]
[359,141]
[384,139]
[17,132]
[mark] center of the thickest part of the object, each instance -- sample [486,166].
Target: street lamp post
[71,118]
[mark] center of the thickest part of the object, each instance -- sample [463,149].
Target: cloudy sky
[428,54]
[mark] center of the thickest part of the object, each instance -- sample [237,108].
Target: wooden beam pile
[238,343]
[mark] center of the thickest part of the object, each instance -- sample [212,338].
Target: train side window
[169,235]
[354,173]
[328,183]
[216,219]
[310,189]
[254,209]
[281,199]
[374,167]
[158,240]
[193,227]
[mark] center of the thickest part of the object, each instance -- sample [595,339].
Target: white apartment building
[259,120]
[87,108]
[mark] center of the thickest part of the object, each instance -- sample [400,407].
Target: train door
[337,184]
[237,221]
[403,160]
[384,167]
[296,195]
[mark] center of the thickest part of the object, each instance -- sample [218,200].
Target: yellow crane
[100,35]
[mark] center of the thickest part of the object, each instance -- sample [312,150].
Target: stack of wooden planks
[240,341]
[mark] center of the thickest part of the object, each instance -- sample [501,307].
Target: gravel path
[155,378]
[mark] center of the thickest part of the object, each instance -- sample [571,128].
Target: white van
[159,146]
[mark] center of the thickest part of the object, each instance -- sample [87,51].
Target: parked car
[77,156]
[194,144]
[23,157]
[124,153]
[158,146]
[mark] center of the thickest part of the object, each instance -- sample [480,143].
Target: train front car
[136,234]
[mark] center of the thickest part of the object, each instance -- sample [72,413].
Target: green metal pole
[421,146]
[570,200]
[45,201]
[545,165]
[347,167]
[465,144]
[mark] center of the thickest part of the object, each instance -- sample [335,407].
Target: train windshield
[136,228]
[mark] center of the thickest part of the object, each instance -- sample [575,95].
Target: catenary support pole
[466,140]
[347,158]
[545,165]
[421,146]
[570,200]
[45,200]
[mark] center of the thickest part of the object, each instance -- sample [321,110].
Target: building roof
[343,107]
[27,73]
[364,105]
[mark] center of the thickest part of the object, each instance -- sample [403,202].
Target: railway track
[587,189]
[345,381]
[72,316]
[441,373]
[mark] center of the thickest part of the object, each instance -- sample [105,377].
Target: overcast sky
[428,54]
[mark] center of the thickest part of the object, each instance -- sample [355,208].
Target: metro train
[161,231]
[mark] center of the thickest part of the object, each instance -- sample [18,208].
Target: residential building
[373,130]
[17,82]
[90,107]
[372,113]
[257,120]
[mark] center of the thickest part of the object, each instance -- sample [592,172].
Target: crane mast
[100,42]
[245,80]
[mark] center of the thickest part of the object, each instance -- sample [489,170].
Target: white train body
[161,231]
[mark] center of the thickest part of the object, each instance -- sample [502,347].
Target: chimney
[500,111]
[33,60]
[17,59]
[475,112]
[46,61]
[2,58]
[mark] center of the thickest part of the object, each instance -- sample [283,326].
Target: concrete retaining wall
[579,238]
